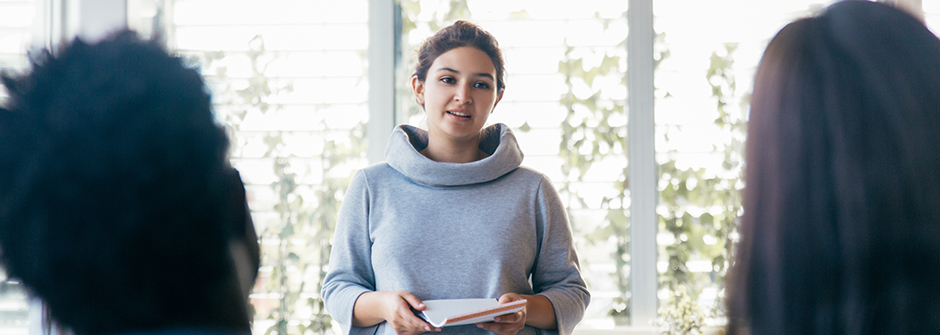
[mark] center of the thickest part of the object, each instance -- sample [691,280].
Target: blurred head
[114,191]
[841,224]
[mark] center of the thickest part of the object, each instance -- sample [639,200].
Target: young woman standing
[451,214]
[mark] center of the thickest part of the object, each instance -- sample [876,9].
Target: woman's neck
[453,152]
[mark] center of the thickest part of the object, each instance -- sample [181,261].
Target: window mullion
[94,19]
[642,163]
[381,77]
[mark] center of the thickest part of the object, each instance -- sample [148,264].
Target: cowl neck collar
[403,154]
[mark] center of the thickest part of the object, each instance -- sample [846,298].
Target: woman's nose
[463,94]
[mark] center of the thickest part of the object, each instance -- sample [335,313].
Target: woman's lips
[459,114]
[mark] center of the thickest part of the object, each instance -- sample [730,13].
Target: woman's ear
[499,96]
[418,86]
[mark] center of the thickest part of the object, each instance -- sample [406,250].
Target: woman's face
[459,93]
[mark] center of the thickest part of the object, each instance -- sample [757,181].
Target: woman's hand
[396,310]
[507,324]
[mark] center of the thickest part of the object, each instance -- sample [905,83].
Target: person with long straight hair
[841,225]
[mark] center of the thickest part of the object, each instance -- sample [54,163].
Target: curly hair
[113,195]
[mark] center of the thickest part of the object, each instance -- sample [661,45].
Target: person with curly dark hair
[118,208]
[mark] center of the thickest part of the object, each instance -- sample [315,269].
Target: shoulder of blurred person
[841,225]
[116,196]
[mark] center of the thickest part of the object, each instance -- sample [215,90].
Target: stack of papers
[454,312]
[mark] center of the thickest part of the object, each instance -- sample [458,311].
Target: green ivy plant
[585,136]
[588,138]
[681,314]
[718,192]
[300,241]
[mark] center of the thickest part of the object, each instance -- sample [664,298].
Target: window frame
[59,20]
[91,19]
[641,131]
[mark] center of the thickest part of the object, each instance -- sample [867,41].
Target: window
[707,53]
[290,81]
[932,15]
[565,101]
[295,83]
[16,20]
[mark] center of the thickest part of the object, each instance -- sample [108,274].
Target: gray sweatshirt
[453,231]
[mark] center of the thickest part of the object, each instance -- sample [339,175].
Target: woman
[841,225]
[451,214]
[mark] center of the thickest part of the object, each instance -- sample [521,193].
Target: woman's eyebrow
[481,74]
[485,75]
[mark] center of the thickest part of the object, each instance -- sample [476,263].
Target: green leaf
[521,14]
[707,220]
[617,218]
[589,76]
[525,127]
[609,63]
[287,231]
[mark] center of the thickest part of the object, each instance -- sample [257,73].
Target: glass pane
[932,15]
[14,307]
[16,19]
[289,80]
[565,101]
[706,54]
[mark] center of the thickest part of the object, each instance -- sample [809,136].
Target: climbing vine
[700,207]
[591,132]
[296,245]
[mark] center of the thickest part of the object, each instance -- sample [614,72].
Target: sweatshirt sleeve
[351,272]
[557,274]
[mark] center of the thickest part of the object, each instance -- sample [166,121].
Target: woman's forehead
[464,61]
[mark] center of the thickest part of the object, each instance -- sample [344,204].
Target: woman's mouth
[459,114]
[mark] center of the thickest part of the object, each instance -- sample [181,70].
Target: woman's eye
[447,80]
[481,85]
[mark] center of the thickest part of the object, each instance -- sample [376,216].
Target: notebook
[453,312]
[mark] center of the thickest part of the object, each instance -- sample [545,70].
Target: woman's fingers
[508,324]
[403,320]
[509,318]
[412,300]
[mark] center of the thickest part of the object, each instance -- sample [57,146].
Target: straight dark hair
[841,224]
